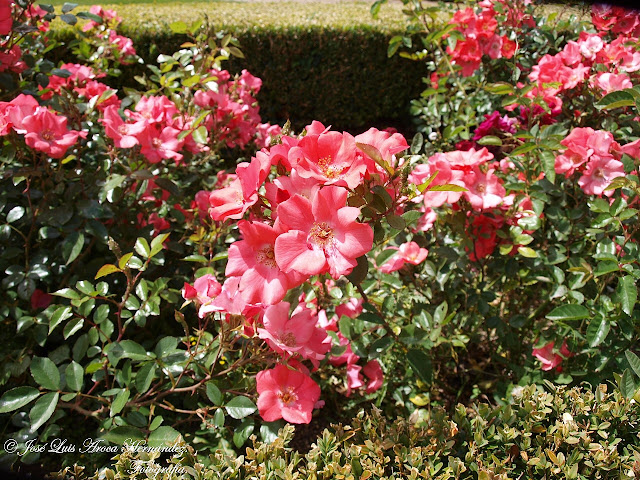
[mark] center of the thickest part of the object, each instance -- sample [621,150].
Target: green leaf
[165,346]
[605,267]
[124,260]
[240,407]
[424,185]
[133,350]
[74,375]
[67,7]
[145,376]
[242,433]
[17,398]
[527,252]
[385,255]
[359,273]
[105,270]
[200,134]
[163,436]
[45,373]
[524,148]
[119,435]
[447,187]
[597,330]
[500,88]
[60,315]
[156,244]
[195,258]
[416,143]
[627,384]
[90,16]
[213,393]
[119,402]
[627,293]
[15,214]
[178,27]
[72,327]
[490,140]
[67,293]
[616,99]
[236,52]
[396,221]
[43,409]
[633,360]
[548,161]
[373,153]
[568,312]
[155,423]
[421,364]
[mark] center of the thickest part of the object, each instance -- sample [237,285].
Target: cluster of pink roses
[235,111]
[300,225]
[118,45]
[596,156]
[10,50]
[158,127]
[580,64]
[43,129]
[480,38]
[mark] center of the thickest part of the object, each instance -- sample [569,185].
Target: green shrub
[566,433]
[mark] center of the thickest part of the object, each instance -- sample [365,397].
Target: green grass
[151,14]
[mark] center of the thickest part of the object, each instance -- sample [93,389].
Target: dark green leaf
[616,99]
[634,361]
[72,246]
[163,436]
[213,393]
[17,398]
[45,373]
[421,364]
[119,435]
[627,384]
[240,407]
[548,161]
[43,409]
[597,330]
[67,7]
[627,293]
[119,402]
[396,221]
[69,18]
[60,315]
[72,327]
[359,273]
[15,214]
[145,376]
[74,375]
[568,312]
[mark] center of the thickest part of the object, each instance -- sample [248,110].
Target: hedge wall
[340,76]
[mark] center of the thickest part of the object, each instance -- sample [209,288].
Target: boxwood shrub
[557,433]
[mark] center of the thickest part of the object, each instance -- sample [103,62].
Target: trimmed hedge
[315,68]
[563,434]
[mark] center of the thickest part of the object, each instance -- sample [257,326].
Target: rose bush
[110,198]
[534,267]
